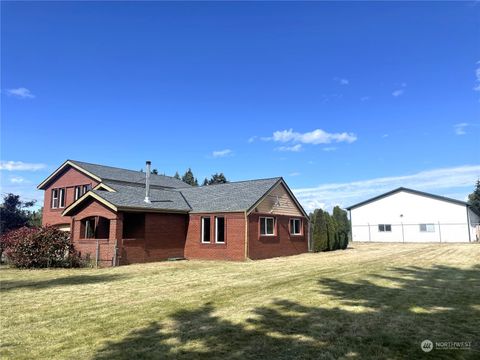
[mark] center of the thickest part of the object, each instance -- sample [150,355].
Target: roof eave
[44,183]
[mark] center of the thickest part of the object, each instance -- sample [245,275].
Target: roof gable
[229,197]
[103,173]
[411,191]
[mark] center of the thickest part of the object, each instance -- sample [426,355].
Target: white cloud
[252,139]
[477,77]
[294,174]
[342,81]
[329,148]
[385,136]
[20,166]
[294,148]
[315,137]
[439,181]
[460,129]
[17,180]
[398,93]
[222,153]
[21,92]
[365,98]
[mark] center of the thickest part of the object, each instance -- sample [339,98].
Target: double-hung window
[295,226]
[220,230]
[427,228]
[61,197]
[54,198]
[267,226]
[81,190]
[206,230]
[385,227]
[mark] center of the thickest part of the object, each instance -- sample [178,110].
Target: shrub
[39,248]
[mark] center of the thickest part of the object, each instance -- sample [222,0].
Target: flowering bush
[39,247]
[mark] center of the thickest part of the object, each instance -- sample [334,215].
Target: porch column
[115,238]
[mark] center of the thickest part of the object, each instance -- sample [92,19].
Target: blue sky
[344,100]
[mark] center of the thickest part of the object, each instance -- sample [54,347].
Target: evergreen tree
[319,234]
[343,226]
[217,179]
[205,182]
[155,171]
[189,178]
[332,238]
[13,213]
[177,175]
[474,198]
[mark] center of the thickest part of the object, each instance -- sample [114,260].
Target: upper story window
[58,198]
[295,226]
[80,190]
[220,230]
[267,226]
[427,228]
[385,227]
[205,230]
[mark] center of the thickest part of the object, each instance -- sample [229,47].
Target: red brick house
[127,217]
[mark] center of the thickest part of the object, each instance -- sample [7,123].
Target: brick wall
[234,247]
[68,179]
[164,238]
[282,244]
[106,246]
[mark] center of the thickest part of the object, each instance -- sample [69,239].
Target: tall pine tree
[189,178]
[474,198]
[320,231]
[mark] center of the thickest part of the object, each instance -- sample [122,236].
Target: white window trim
[78,192]
[384,228]
[203,232]
[216,230]
[429,228]
[61,197]
[265,219]
[54,198]
[299,226]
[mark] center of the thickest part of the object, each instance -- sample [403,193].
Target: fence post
[439,232]
[403,233]
[369,235]
[97,253]
[115,254]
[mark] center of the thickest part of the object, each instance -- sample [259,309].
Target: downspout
[246,235]
[468,225]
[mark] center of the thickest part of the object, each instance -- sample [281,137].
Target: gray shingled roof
[131,176]
[234,196]
[128,196]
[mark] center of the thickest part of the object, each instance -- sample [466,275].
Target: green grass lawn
[372,301]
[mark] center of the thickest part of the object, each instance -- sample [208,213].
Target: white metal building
[406,215]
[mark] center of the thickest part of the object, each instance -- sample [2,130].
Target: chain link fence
[429,232]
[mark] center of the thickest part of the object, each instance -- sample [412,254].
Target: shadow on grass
[366,321]
[9,285]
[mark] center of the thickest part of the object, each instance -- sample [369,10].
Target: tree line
[329,232]
[190,179]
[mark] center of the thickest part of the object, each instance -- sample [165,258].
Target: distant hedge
[329,232]
[39,248]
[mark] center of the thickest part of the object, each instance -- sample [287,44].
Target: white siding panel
[410,210]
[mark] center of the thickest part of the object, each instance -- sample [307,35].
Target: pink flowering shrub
[39,248]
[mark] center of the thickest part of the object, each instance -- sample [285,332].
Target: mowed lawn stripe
[373,300]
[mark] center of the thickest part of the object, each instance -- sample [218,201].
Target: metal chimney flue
[147,182]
